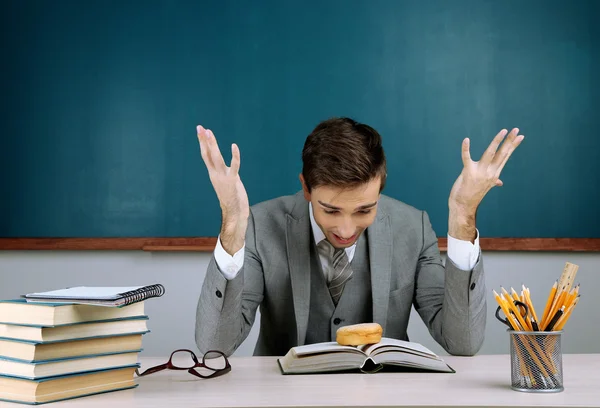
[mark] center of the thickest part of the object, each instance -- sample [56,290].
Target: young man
[339,252]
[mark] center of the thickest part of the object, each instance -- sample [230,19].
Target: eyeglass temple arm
[151,369]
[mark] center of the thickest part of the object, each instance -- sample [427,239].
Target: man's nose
[347,229]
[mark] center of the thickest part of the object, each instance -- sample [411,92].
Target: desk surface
[257,382]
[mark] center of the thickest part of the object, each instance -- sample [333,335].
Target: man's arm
[451,301]
[228,298]
[227,308]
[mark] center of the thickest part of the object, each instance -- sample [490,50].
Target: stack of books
[52,349]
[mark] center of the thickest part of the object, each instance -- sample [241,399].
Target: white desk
[257,382]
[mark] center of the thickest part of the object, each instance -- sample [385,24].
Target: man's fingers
[511,148]
[214,151]
[490,152]
[235,158]
[507,147]
[466,155]
[201,132]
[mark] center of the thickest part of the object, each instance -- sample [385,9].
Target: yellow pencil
[505,310]
[530,303]
[563,319]
[572,295]
[559,300]
[549,301]
[511,305]
[564,284]
[514,294]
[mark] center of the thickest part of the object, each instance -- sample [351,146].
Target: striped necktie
[341,270]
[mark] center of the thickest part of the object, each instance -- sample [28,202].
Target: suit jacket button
[472,285]
[337,320]
[219,294]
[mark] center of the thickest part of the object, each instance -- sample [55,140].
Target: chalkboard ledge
[207,244]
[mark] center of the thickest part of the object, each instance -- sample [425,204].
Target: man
[339,252]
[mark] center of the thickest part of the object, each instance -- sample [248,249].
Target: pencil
[564,283]
[515,309]
[514,294]
[549,301]
[559,300]
[563,319]
[572,295]
[529,304]
[506,312]
[516,297]
[504,292]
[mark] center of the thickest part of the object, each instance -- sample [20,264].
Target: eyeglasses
[214,363]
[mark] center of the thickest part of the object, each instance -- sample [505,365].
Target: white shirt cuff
[228,265]
[464,254]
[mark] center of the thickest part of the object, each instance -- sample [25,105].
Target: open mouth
[343,241]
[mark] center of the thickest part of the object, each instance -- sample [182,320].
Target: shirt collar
[316,230]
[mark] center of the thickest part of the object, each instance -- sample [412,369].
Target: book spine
[144,293]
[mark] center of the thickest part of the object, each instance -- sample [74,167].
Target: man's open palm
[225,180]
[479,177]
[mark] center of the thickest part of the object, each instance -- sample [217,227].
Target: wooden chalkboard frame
[207,244]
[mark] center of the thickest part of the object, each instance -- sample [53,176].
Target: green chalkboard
[100,100]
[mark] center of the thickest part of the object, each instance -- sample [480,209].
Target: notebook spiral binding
[144,293]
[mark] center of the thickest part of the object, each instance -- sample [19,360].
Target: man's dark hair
[341,152]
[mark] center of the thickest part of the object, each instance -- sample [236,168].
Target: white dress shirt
[463,253]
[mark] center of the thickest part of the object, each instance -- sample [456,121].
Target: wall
[172,316]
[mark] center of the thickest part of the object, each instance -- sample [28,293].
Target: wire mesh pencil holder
[536,361]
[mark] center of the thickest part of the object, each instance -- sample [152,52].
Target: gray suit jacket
[406,269]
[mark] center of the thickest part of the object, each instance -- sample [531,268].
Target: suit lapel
[380,262]
[298,236]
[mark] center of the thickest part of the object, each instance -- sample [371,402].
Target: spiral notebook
[114,296]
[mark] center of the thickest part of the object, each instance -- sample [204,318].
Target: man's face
[344,213]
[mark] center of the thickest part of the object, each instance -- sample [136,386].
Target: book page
[85,292]
[404,359]
[321,357]
[387,343]
[319,348]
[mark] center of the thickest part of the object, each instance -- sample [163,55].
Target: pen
[534,324]
[557,316]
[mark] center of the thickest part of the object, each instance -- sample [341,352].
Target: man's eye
[330,211]
[364,211]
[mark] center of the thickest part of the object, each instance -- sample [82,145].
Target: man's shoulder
[396,208]
[402,216]
[280,206]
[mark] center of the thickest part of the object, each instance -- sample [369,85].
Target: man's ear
[304,188]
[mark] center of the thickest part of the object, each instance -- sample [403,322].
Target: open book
[99,295]
[368,358]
